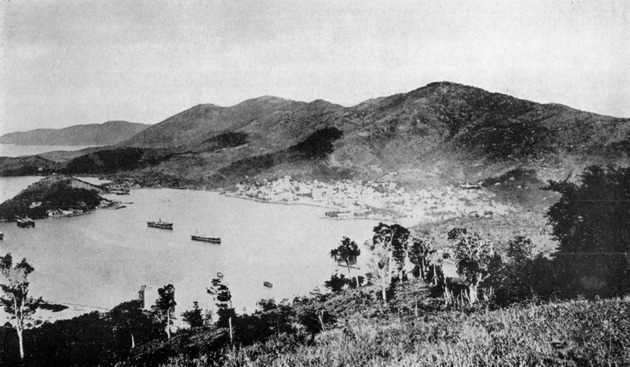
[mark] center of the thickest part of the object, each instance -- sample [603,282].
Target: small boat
[268,284]
[160,224]
[220,275]
[25,222]
[214,240]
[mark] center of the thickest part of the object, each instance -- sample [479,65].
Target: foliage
[391,241]
[590,221]
[193,317]
[319,144]
[337,283]
[474,255]
[223,301]
[115,160]
[131,325]
[15,299]
[165,307]
[380,270]
[347,253]
[94,339]
[58,195]
[550,335]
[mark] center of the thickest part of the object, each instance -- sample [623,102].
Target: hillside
[201,122]
[443,133]
[49,194]
[107,133]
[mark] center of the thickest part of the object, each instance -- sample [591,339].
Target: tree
[15,298]
[475,255]
[590,221]
[165,306]
[380,271]
[337,282]
[193,317]
[346,253]
[128,317]
[223,300]
[393,242]
[419,252]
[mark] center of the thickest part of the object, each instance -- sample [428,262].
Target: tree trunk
[231,332]
[320,316]
[21,341]
[472,293]
[415,308]
[168,324]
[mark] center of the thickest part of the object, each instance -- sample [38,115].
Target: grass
[367,333]
[582,333]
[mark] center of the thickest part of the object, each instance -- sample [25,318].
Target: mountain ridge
[107,133]
[442,133]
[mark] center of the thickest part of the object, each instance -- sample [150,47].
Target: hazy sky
[73,62]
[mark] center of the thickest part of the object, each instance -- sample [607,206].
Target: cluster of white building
[377,199]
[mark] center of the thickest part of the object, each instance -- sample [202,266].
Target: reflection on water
[103,258]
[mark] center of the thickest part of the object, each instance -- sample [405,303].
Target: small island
[56,195]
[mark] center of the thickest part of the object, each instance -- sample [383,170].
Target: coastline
[317,205]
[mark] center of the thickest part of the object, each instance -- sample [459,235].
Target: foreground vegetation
[585,333]
[509,305]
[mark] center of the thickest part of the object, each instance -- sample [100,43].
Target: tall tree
[223,300]
[165,306]
[475,255]
[15,298]
[591,223]
[347,253]
[394,241]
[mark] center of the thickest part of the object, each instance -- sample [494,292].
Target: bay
[103,258]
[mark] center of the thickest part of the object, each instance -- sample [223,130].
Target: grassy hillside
[577,333]
[358,330]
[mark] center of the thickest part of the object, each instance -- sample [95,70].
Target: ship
[160,224]
[25,222]
[214,240]
[268,284]
[1,236]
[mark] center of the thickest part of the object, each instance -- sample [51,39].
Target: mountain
[107,133]
[442,133]
[202,121]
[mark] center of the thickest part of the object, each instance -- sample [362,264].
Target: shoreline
[236,196]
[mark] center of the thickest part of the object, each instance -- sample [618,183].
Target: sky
[69,62]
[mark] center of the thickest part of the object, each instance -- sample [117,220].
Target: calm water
[101,259]
[10,150]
